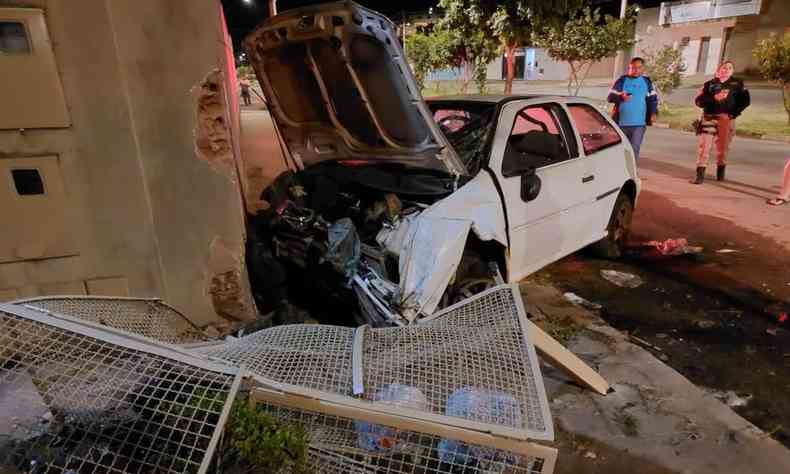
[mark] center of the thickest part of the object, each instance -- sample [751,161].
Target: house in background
[710,31]
[103,189]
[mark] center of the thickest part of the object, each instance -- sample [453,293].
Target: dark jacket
[735,103]
[615,98]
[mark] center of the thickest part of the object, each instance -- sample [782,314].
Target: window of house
[13,38]
[595,131]
[28,182]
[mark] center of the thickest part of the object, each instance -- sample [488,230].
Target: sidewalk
[655,418]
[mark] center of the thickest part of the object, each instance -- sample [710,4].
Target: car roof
[501,98]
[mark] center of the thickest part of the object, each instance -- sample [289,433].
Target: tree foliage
[431,51]
[665,68]
[488,27]
[586,38]
[515,22]
[773,59]
[476,43]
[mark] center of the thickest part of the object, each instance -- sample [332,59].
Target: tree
[515,22]
[665,67]
[773,58]
[420,55]
[489,27]
[475,43]
[586,39]
[431,51]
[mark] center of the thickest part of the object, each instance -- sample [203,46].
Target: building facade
[104,189]
[711,31]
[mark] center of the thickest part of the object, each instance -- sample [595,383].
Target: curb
[738,133]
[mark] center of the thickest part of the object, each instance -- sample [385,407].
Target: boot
[720,172]
[700,175]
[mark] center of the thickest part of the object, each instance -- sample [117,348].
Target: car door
[551,225]
[609,157]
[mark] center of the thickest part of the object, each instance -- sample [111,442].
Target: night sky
[243,17]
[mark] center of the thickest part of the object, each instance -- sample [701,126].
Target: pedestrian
[635,103]
[245,91]
[784,192]
[722,99]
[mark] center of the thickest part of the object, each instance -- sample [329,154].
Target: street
[713,318]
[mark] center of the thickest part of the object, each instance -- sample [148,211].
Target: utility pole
[618,62]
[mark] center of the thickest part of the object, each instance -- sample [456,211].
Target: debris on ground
[622,279]
[666,248]
[727,251]
[590,455]
[731,398]
[772,331]
[579,301]
[642,342]
[705,324]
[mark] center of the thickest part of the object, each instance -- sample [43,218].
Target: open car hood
[338,87]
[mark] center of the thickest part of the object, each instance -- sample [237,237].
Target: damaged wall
[144,208]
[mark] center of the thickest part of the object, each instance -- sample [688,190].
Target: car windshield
[466,126]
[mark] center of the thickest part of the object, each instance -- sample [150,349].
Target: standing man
[635,103]
[245,91]
[721,99]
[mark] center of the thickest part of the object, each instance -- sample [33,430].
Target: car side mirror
[530,185]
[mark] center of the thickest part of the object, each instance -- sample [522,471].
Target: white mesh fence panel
[472,361]
[111,403]
[146,317]
[307,355]
[344,444]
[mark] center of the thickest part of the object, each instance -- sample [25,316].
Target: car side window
[536,140]
[596,132]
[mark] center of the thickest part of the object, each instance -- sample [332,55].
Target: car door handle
[587,179]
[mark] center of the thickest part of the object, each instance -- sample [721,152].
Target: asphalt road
[754,162]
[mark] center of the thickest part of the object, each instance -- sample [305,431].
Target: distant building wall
[705,43]
[136,210]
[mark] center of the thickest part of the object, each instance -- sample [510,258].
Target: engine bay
[328,241]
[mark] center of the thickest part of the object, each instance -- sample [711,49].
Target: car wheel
[617,231]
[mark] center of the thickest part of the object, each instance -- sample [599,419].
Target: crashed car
[396,207]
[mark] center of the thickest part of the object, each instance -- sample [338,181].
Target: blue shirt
[633,112]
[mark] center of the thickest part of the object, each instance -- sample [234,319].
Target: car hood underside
[339,88]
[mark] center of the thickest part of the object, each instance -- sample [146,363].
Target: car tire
[618,230]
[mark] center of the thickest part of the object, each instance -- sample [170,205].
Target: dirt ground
[713,340]
[580,455]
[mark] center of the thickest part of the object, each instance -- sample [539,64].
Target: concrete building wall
[731,38]
[548,69]
[150,216]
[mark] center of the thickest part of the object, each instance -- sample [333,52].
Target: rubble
[622,279]
[412,411]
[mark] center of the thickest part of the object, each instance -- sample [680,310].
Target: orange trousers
[725,130]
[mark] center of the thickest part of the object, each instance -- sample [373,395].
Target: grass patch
[628,424]
[755,121]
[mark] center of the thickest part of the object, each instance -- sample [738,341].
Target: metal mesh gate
[460,392]
[146,317]
[109,402]
[374,439]
[460,363]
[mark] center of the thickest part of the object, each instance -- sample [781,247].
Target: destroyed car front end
[375,219]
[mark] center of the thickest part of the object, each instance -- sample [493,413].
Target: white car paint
[571,211]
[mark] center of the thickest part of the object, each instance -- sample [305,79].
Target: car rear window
[595,131]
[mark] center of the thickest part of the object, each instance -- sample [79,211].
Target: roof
[498,98]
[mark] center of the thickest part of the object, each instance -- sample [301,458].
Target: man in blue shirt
[636,103]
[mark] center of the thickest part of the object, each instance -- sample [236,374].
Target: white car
[410,205]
